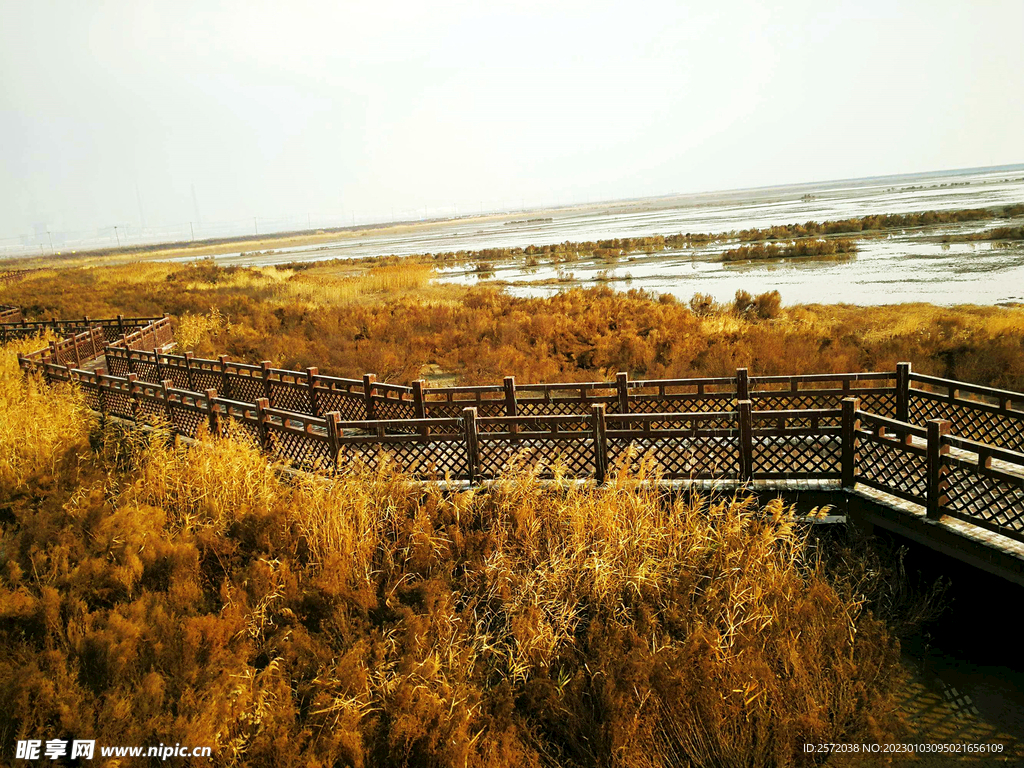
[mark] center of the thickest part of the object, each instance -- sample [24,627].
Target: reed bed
[161,593]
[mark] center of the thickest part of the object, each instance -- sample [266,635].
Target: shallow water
[908,267]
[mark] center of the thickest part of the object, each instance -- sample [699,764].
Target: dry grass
[38,424]
[391,320]
[193,596]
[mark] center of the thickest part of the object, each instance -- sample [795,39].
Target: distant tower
[195,204]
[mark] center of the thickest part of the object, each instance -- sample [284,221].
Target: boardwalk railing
[13,326]
[953,448]
[924,464]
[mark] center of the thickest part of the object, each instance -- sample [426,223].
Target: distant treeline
[794,248]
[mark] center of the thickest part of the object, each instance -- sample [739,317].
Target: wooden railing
[924,464]
[951,447]
[8,315]
[14,327]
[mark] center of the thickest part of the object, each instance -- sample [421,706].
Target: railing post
[225,388]
[597,417]
[742,384]
[419,404]
[333,420]
[156,364]
[265,373]
[903,392]
[419,407]
[78,354]
[53,352]
[849,451]
[746,441]
[622,390]
[211,396]
[133,395]
[188,372]
[311,374]
[261,421]
[101,401]
[511,404]
[368,380]
[937,498]
[472,455]
[128,353]
[166,385]
[120,324]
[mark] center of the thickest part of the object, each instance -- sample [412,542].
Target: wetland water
[906,266]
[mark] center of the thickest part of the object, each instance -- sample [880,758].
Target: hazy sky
[328,108]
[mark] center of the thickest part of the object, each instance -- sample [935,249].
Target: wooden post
[742,384]
[128,353]
[265,374]
[333,420]
[134,397]
[419,404]
[622,389]
[746,441]
[311,374]
[368,380]
[100,399]
[225,388]
[78,354]
[938,485]
[903,392]
[472,455]
[261,420]
[188,372]
[600,442]
[156,364]
[849,451]
[166,385]
[211,396]
[511,404]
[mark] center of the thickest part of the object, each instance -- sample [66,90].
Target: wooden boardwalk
[940,461]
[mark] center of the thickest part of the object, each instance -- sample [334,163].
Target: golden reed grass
[154,592]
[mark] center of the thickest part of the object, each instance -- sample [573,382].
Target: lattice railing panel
[245,389]
[386,408]
[437,458]
[91,394]
[306,450]
[117,366]
[204,380]
[186,420]
[994,500]
[444,410]
[178,376]
[890,464]
[577,456]
[146,371]
[683,404]
[351,405]
[803,455]
[537,407]
[679,458]
[151,410]
[984,426]
[118,403]
[290,397]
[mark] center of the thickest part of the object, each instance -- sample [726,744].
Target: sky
[112,113]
